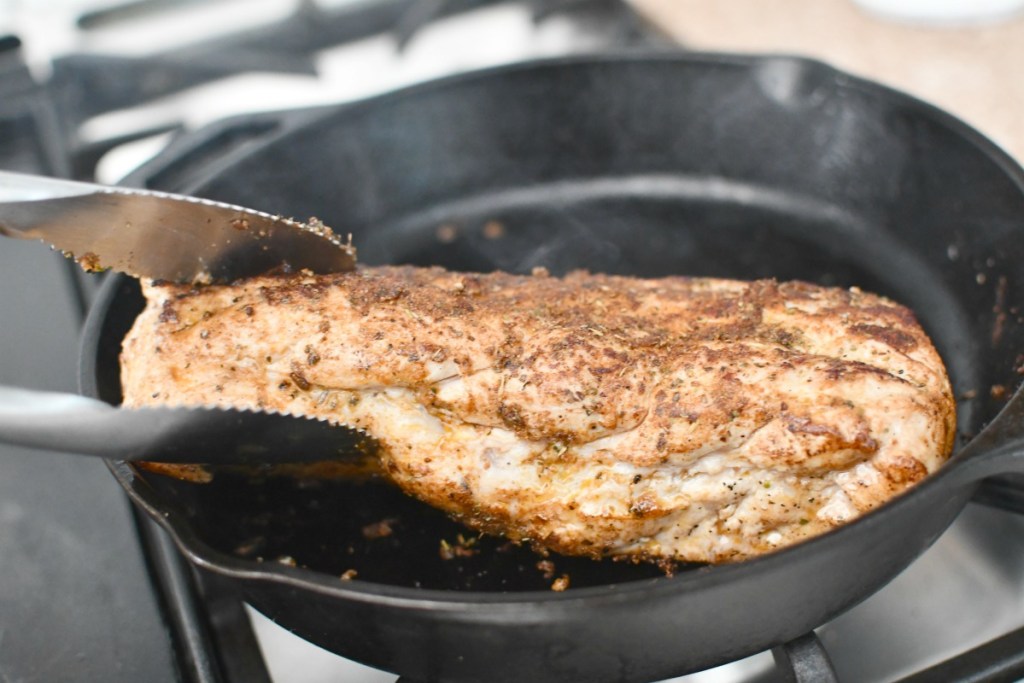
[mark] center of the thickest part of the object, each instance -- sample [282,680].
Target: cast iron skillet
[687,164]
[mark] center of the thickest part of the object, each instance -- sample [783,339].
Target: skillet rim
[201,554]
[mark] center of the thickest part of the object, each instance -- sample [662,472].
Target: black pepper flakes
[167,312]
[300,380]
[312,357]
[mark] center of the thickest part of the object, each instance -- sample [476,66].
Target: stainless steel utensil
[222,436]
[163,236]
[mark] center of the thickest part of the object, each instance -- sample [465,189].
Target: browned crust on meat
[791,379]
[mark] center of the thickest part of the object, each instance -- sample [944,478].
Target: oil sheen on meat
[663,419]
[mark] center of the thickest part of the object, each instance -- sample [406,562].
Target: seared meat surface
[668,419]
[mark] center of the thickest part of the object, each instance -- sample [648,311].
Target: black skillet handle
[999,459]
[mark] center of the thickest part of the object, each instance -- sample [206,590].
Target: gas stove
[92,590]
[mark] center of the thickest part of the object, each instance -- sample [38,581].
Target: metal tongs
[161,236]
[219,436]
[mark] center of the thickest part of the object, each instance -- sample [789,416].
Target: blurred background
[94,89]
[119,70]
